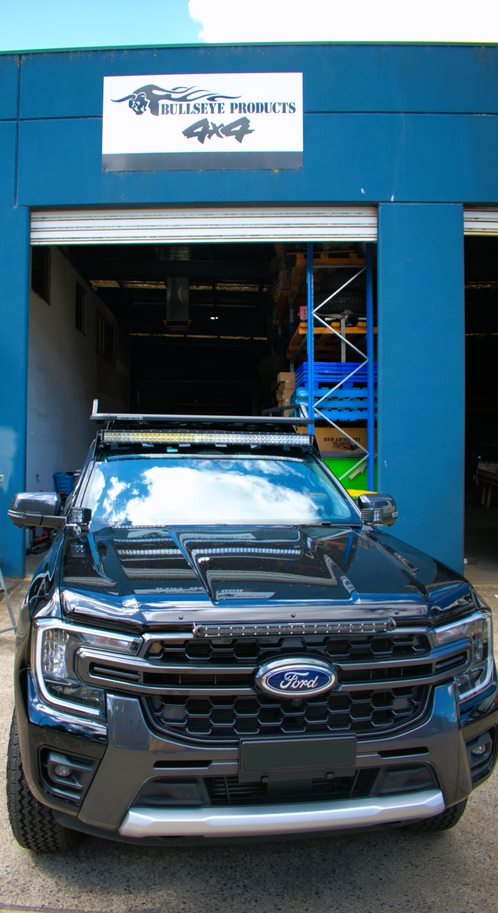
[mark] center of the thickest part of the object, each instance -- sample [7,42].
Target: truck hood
[149,576]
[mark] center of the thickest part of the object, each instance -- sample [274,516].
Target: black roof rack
[129,430]
[220,420]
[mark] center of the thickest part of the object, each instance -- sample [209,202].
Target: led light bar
[205,437]
[287,629]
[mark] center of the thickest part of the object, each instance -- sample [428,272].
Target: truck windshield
[142,491]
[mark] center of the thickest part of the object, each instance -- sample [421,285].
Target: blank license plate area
[290,759]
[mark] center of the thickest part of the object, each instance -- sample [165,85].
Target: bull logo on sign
[148,98]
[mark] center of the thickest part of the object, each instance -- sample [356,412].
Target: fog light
[66,776]
[482,747]
[479,750]
[480,754]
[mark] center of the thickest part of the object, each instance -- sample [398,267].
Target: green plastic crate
[341,465]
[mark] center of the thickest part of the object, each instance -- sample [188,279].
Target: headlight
[55,644]
[478,631]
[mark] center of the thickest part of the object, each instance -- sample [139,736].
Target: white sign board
[200,121]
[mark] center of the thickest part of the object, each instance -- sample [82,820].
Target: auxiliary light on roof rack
[256,430]
[205,437]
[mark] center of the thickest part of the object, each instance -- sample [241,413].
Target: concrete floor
[453,872]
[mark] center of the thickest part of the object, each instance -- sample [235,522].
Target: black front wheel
[33,824]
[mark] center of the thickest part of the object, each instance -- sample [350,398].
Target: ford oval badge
[295,677]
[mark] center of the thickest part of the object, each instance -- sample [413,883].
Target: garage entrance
[481,333]
[203,312]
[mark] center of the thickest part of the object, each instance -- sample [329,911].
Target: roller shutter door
[165,226]
[480,221]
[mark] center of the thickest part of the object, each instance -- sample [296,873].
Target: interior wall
[65,374]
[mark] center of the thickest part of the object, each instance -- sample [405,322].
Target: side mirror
[378,510]
[37,508]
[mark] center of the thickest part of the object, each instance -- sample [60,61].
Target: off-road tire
[441,822]
[33,824]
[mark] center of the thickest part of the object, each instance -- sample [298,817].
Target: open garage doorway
[481,334]
[200,328]
[200,323]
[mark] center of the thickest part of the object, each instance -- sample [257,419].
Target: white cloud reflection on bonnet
[204,491]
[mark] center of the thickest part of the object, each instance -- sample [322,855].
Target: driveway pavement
[382,872]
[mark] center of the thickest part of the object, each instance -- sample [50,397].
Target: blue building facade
[410,130]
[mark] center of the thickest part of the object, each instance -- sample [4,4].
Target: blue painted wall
[421,358]
[14,295]
[412,128]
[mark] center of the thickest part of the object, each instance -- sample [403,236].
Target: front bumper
[282,819]
[134,757]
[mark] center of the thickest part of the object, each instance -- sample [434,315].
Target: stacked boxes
[331,441]
[286,384]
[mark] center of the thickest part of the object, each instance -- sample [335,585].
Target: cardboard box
[332,441]
[286,377]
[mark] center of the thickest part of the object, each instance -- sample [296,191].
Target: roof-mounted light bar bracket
[144,418]
[136,429]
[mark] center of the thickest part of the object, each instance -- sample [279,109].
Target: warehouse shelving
[323,335]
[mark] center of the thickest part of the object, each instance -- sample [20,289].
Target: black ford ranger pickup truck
[220,643]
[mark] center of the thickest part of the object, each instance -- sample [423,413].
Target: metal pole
[342,324]
[370,372]
[310,338]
